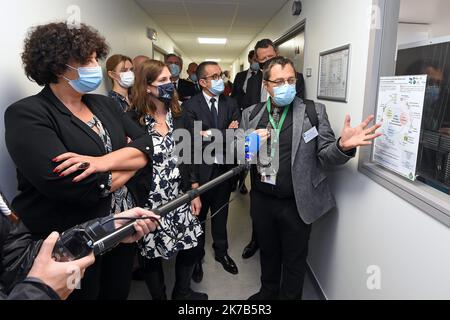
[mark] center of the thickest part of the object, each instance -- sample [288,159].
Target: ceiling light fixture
[212,40]
[213,60]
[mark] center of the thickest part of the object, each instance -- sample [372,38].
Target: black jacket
[197,109]
[5,227]
[186,90]
[29,289]
[40,128]
[254,87]
[238,88]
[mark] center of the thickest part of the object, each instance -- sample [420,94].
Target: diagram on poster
[400,110]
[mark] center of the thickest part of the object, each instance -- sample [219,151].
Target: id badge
[272,180]
[310,135]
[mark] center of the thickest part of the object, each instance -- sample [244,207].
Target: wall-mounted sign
[400,109]
[333,74]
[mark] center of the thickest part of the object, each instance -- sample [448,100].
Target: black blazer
[38,129]
[254,86]
[186,90]
[188,175]
[197,109]
[238,88]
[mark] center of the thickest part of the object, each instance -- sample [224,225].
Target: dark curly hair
[48,48]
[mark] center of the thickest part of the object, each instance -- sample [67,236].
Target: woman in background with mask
[155,108]
[70,149]
[121,72]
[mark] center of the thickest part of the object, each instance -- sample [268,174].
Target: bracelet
[106,189]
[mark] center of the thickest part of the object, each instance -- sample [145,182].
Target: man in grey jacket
[289,197]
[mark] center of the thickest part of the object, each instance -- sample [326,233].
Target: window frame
[381,62]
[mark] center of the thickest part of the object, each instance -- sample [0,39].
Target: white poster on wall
[400,109]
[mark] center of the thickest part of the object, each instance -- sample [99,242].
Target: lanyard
[272,121]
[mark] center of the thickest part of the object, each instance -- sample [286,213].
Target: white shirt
[176,83]
[208,101]
[219,157]
[264,93]
[249,75]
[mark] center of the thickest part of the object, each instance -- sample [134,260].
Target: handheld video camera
[81,241]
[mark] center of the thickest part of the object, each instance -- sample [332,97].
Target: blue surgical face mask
[193,77]
[175,70]
[89,79]
[284,95]
[254,66]
[217,87]
[166,92]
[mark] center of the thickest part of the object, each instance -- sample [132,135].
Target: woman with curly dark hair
[70,149]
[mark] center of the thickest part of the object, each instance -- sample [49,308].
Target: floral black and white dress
[122,200]
[166,186]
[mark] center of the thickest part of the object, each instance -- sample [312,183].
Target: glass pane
[424,48]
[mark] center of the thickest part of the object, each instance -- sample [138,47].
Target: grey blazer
[312,190]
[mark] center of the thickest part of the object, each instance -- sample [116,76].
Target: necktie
[175,85]
[214,113]
[276,115]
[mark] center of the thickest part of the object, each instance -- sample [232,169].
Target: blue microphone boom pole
[110,241]
[252,146]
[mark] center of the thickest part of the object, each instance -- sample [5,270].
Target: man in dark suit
[210,113]
[265,50]
[192,76]
[239,91]
[242,78]
[256,93]
[185,89]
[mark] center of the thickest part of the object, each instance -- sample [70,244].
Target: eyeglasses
[281,82]
[213,77]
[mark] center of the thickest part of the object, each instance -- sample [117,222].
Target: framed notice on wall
[333,74]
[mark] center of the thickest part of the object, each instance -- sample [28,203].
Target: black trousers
[239,180]
[283,239]
[214,200]
[184,268]
[110,277]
